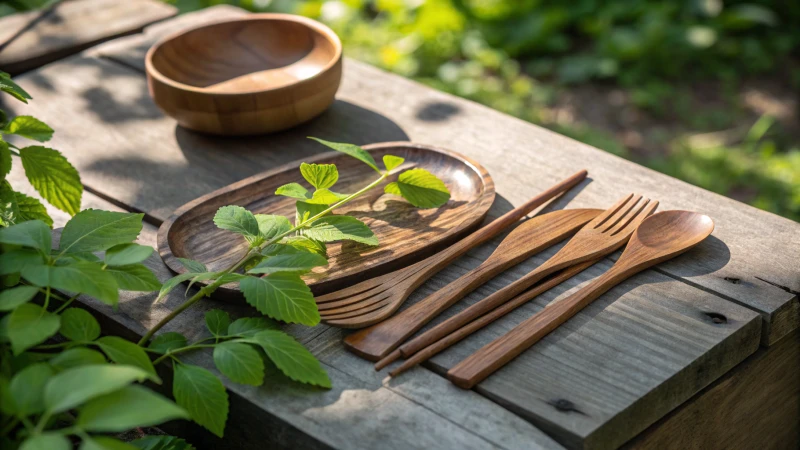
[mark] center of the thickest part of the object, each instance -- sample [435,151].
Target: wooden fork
[606,233]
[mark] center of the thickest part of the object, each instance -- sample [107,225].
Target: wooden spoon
[531,237]
[659,238]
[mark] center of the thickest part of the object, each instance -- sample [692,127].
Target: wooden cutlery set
[651,239]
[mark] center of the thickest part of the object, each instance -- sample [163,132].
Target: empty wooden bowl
[251,75]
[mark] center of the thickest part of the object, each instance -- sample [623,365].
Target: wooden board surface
[32,39]
[128,152]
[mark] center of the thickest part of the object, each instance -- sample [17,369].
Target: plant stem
[208,290]
[172,353]
[66,303]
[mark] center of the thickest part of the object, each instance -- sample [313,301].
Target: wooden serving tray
[406,234]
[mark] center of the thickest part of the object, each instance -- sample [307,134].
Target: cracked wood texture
[630,358]
[35,38]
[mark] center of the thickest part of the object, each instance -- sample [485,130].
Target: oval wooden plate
[406,234]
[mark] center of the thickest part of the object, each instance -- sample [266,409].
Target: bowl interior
[246,55]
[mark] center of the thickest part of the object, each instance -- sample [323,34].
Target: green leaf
[239,362]
[93,230]
[217,322]
[237,219]
[11,298]
[29,127]
[352,150]
[45,441]
[170,284]
[321,176]
[84,277]
[130,407]
[325,197]
[34,233]
[104,443]
[30,325]
[78,356]
[6,85]
[337,228]
[293,190]
[249,326]
[162,443]
[135,277]
[9,209]
[32,209]
[54,177]
[282,296]
[126,254]
[77,385]
[421,188]
[17,260]
[307,210]
[78,325]
[5,158]
[192,265]
[299,263]
[270,226]
[165,342]
[202,394]
[294,245]
[127,353]
[27,389]
[291,357]
[391,161]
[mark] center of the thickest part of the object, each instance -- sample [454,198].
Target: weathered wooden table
[701,352]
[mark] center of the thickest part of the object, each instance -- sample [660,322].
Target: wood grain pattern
[35,38]
[658,238]
[248,75]
[405,232]
[525,240]
[373,300]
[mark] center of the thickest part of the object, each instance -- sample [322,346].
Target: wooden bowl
[251,75]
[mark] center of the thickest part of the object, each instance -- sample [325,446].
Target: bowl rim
[310,23]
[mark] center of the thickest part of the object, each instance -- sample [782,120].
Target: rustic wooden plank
[755,406]
[32,39]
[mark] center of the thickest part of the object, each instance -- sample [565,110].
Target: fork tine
[360,299]
[348,291]
[631,223]
[623,213]
[601,219]
[362,321]
[328,303]
[346,313]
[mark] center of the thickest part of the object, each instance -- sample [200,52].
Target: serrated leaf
[74,357]
[352,150]
[282,296]
[291,357]
[29,127]
[53,177]
[217,322]
[32,209]
[45,441]
[11,298]
[9,209]
[293,190]
[249,326]
[130,407]
[325,197]
[421,188]
[321,176]
[104,443]
[126,254]
[93,230]
[5,158]
[16,261]
[134,277]
[237,219]
[165,342]
[170,284]
[305,211]
[7,85]
[34,233]
[78,325]
[239,362]
[337,228]
[161,443]
[202,394]
[83,277]
[307,244]
[192,265]
[391,161]
[271,226]
[77,385]
[299,263]
[30,325]
[27,389]
[127,353]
